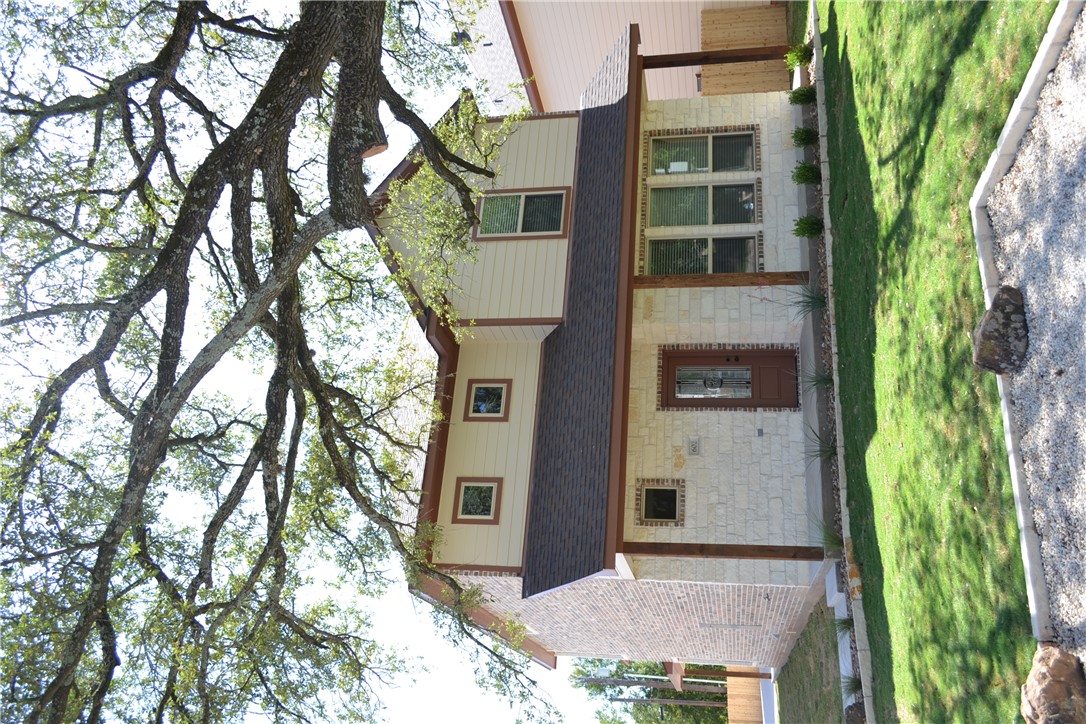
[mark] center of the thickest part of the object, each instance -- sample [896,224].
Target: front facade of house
[623,468]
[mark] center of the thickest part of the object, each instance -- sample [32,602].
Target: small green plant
[806,172]
[844,626]
[819,447]
[807,300]
[798,55]
[804,136]
[814,381]
[828,536]
[809,226]
[851,686]
[802,96]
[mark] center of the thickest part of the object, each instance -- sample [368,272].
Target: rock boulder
[1001,340]
[1055,692]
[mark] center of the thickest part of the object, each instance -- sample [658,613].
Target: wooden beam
[674,670]
[650,684]
[735,279]
[724,550]
[674,702]
[715,57]
[710,673]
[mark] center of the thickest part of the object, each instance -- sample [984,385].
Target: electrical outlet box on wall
[693,445]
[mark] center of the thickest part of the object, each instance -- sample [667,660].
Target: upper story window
[527,213]
[703,154]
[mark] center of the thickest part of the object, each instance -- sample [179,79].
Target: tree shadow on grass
[856,292]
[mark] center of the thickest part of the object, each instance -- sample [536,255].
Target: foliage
[916,98]
[816,380]
[214,414]
[809,226]
[803,136]
[807,299]
[806,172]
[803,95]
[819,446]
[643,713]
[798,55]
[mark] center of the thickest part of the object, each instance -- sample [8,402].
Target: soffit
[567,41]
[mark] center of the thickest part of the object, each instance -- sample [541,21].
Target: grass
[916,97]
[809,686]
[796,15]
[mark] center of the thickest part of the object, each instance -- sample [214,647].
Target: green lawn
[809,686]
[917,94]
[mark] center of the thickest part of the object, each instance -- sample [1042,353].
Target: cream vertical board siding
[509,333]
[523,278]
[492,450]
[743,488]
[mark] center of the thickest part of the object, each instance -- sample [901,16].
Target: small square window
[478,501]
[660,502]
[487,400]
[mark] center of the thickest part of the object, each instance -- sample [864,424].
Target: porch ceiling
[567,42]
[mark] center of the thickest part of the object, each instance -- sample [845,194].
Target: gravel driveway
[1038,214]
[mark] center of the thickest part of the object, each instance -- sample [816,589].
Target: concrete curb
[855,588]
[1018,121]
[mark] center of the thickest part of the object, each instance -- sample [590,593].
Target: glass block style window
[723,255]
[660,502]
[478,501]
[690,205]
[487,400]
[505,215]
[701,154]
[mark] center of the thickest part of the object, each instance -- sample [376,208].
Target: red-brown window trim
[672,355]
[562,233]
[467,480]
[506,397]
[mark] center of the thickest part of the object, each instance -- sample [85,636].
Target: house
[623,466]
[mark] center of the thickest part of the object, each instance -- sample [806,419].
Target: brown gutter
[620,406]
[716,57]
[520,51]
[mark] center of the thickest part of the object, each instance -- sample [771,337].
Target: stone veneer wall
[748,484]
[698,623]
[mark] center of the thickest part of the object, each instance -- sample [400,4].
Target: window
[690,205]
[724,255]
[487,400]
[660,502]
[478,501]
[518,214]
[728,378]
[700,154]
